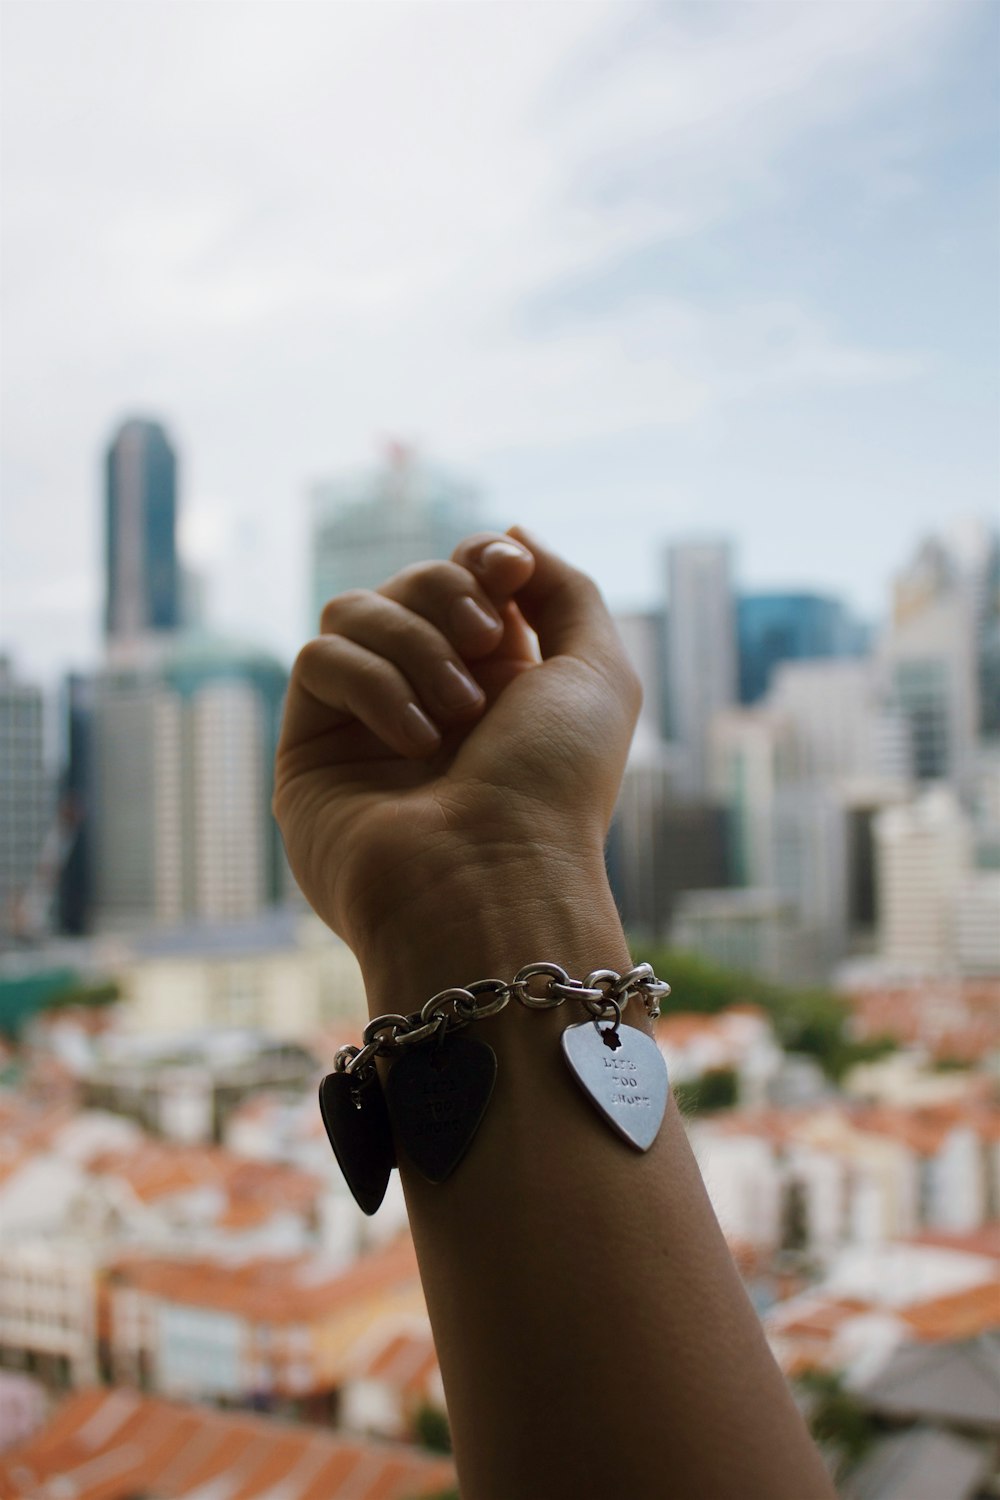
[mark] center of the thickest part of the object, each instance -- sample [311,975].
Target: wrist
[485,918]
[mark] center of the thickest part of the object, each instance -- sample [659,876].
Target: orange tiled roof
[925,1128]
[254,1189]
[29,1123]
[818,1318]
[776,1125]
[953,1018]
[271,1289]
[961,1315]
[405,1360]
[682,1026]
[113,1444]
[982,1241]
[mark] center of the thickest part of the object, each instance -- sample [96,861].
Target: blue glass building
[143,576]
[773,628]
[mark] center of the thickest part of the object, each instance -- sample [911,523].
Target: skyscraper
[773,628]
[142,574]
[24,794]
[368,526]
[929,660]
[922,853]
[701,651]
[180,781]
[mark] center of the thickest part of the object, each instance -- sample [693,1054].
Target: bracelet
[441,1082]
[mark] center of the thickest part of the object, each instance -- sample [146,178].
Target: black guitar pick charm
[622,1072]
[437,1095]
[356,1121]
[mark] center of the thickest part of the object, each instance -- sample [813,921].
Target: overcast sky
[641,271]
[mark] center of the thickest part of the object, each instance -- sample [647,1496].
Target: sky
[640,271]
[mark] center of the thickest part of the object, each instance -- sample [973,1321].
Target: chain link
[604,994]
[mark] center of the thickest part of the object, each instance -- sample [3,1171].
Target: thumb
[565,609]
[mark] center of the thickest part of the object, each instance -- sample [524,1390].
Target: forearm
[554,1240]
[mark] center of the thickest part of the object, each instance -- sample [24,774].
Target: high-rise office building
[367,526]
[701,651]
[143,583]
[922,856]
[928,658]
[644,637]
[773,628]
[24,795]
[74,876]
[180,777]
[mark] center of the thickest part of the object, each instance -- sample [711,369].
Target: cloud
[291,227]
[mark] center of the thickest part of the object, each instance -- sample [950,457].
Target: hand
[466,717]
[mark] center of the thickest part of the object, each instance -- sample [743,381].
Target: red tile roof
[953,1018]
[254,1190]
[982,1241]
[109,1445]
[405,1360]
[271,1289]
[961,1315]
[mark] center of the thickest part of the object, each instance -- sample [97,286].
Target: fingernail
[495,552]
[418,728]
[455,689]
[468,618]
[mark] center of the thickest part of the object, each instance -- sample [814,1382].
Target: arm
[594,1336]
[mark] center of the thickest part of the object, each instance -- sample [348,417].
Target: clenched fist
[458,734]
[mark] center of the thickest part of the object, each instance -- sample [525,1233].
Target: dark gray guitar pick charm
[356,1121]
[437,1095]
[627,1082]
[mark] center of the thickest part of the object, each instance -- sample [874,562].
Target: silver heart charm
[627,1083]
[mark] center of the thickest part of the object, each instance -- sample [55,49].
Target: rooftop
[274,1289]
[954,1383]
[253,1190]
[116,1444]
[922,1464]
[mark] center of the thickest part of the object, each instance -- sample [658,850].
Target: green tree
[431,1428]
[716,1089]
[811,1020]
[836,1417]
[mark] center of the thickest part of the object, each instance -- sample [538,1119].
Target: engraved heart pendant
[437,1096]
[627,1083]
[356,1121]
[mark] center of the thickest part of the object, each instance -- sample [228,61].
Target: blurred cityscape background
[807,842]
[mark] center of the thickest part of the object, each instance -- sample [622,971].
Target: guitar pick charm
[622,1072]
[356,1121]
[437,1096]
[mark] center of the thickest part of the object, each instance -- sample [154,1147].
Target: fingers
[500,562]
[335,681]
[565,609]
[421,651]
[394,660]
[451,598]
[503,566]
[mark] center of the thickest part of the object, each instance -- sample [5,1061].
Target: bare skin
[595,1338]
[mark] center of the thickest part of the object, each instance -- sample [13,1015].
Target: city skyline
[48,669]
[724,270]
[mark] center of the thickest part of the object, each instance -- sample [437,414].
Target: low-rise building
[948,1017]
[874,1300]
[48,1311]
[255,1330]
[106,1444]
[283,972]
[393,1374]
[818,1178]
[739,1039]
[183,1085]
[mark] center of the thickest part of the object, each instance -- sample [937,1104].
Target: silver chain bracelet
[604,994]
[435,1096]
